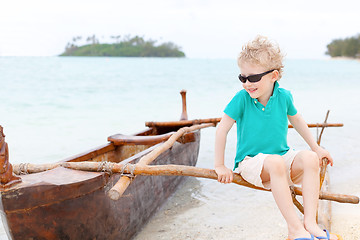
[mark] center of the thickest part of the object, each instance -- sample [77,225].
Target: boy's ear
[275,75]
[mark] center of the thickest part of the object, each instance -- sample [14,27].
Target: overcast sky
[203,28]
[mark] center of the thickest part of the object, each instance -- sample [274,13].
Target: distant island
[348,47]
[122,47]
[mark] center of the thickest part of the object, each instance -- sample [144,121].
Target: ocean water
[52,107]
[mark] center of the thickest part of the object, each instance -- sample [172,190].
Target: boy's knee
[310,160]
[275,164]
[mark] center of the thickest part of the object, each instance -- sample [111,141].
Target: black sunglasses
[254,78]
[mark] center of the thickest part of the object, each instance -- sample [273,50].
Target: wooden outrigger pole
[142,168]
[217,120]
[168,170]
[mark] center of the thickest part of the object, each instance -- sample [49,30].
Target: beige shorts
[251,167]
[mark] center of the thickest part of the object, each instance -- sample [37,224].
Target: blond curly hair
[261,51]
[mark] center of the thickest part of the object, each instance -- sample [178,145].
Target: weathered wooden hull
[69,204]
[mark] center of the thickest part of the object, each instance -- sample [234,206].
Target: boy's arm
[225,175]
[301,127]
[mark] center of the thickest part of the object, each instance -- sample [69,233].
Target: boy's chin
[253,94]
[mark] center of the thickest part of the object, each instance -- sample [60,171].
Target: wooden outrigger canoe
[62,203]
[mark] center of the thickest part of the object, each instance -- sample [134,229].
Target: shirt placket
[262,108]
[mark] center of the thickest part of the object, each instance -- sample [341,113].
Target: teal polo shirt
[261,129]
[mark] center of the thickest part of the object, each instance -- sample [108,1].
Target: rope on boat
[132,170]
[106,166]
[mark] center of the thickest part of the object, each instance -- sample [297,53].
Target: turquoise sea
[52,107]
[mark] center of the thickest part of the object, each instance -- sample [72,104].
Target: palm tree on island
[127,47]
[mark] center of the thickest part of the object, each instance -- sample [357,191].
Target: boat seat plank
[120,139]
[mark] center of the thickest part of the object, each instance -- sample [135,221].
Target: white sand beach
[190,216]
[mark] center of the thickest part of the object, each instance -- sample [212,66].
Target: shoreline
[345,58]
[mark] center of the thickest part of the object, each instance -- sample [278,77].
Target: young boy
[261,112]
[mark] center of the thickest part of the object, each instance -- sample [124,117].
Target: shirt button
[255,101]
[263,109]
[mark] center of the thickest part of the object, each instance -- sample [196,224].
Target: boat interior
[124,147]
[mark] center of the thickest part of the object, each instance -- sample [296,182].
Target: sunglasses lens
[250,78]
[254,78]
[242,79]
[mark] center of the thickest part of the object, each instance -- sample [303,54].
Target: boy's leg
[274,170]
[306,165]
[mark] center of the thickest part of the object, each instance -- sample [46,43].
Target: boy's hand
[322,153]
[225,175]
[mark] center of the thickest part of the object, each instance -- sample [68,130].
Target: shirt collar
[276,88]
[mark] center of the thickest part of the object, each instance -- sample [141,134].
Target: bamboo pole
[182,170]
[323,170]
[174,170]
[315,125]
[324,208]
[323,127]
[217,120]
[182,122]
[323,213]
[119,188]
[147,159]
[297,204]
